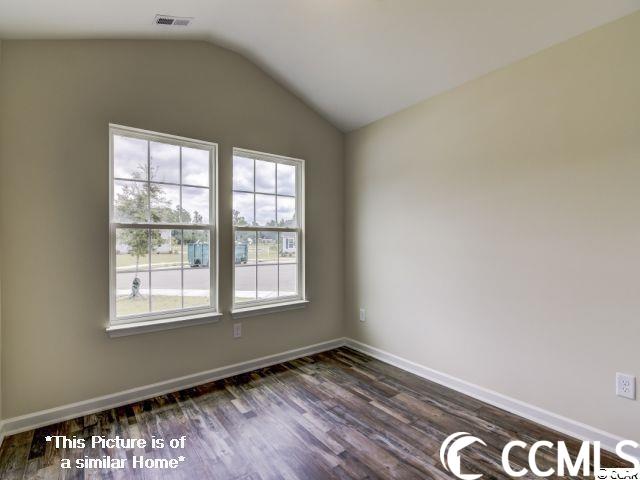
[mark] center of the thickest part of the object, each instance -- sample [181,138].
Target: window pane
[161,268]
[132,293]
[243,209]
[132,249]
[286,179]
[165,203]
[165,162]
[129,157]
[267,281]
[245,283]
[265,177]
[243,173]
[166,290]
[286,212]
[195,166]
[245,248]
[265,210]
[130,202]
[165,249]
[288,274]
[267,247]
[195,205]
[196,287]
[288,248]
[196,249]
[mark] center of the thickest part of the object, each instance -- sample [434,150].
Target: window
[163,235]
[268,229]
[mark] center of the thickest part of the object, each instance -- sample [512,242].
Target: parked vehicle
[242,252]
[198,254]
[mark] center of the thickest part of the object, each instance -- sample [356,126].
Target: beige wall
[56,100]
[493,231]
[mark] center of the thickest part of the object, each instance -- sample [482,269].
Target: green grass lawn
[128,262]
[239,299]
[266,253]
[139,305]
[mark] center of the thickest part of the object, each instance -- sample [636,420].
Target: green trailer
[242,252]
[198,254]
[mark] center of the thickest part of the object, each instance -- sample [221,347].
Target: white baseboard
[538,415]
[543,417]
[30,421]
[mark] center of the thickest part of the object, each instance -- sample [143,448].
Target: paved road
[196,281]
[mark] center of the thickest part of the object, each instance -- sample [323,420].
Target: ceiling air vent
[172,21]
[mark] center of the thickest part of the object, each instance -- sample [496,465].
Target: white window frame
[291,300]
[194,315]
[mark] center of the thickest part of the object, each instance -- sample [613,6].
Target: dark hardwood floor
[335,415]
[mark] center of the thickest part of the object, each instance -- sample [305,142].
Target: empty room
[319,239]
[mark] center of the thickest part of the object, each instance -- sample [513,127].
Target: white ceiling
[354,61]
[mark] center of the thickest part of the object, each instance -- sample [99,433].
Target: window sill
[164,324]
[266,309]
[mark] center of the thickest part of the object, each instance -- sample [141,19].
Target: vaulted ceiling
[354,61]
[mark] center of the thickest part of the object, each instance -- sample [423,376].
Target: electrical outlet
[237,330]
[363,315]
[626,386]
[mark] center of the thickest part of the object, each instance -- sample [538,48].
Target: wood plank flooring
[335,415]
